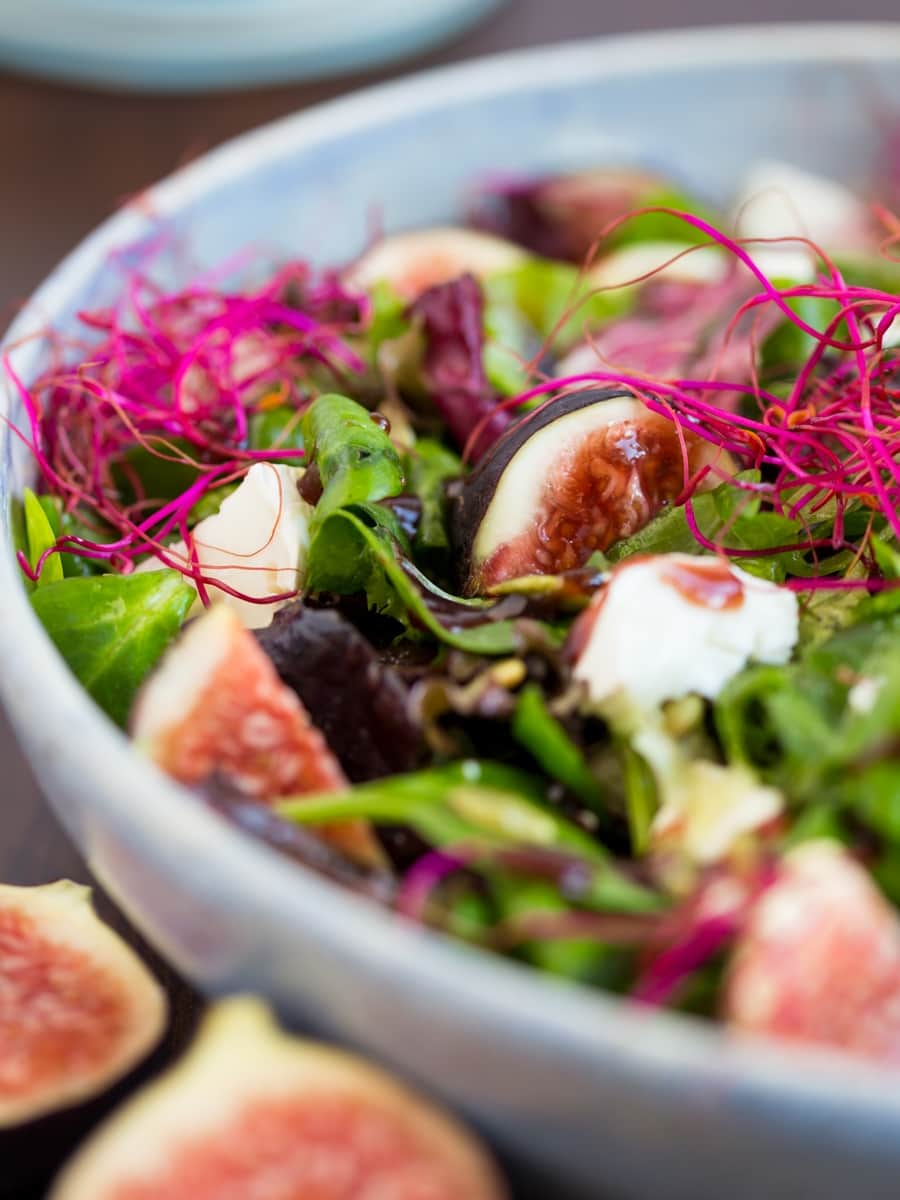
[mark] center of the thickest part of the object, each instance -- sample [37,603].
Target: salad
[537,577]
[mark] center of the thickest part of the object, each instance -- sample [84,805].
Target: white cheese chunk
[706,807]
[675,262]
[778,200]
[647,641]
[256,543]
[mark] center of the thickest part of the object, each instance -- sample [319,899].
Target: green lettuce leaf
[476,803]
[41,533]
[429,467]
[112,629]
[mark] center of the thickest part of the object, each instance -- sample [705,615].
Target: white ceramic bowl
[589,1094]
[194,45]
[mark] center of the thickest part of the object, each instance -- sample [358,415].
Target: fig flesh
[78,1009]
[819,960]
[422,258]
[579,473]
[215,705]
[253,1112]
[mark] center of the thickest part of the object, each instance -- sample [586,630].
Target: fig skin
[81,963]
[215,706]
[295,841]
[473,498]
[315,652]
[250,1105]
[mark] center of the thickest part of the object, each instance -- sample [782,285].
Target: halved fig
[562,216]
[215,705]
[253,1112]
[778,200]
[819,960]
[78,1008]
[411,262]
[672,262]
[574,476]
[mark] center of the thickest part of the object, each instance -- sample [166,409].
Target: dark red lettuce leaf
[358,702]
[451,317]
[561,216]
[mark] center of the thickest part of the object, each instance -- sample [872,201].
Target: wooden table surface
[70,157]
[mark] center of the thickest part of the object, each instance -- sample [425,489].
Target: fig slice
[215,705]
[78,1009]
[582,471]
[819,960]
[422,258]
[252,1111]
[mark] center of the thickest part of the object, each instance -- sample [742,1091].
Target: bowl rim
[41,694]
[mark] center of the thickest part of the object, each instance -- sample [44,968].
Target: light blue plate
[192,45]
[598,1096]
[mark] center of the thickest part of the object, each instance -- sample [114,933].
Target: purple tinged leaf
[451,317]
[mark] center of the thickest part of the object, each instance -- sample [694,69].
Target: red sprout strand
[833,440]
[177,376]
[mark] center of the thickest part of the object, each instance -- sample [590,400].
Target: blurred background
[177,77]
[72,155]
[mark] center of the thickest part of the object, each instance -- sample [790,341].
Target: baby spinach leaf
[429,466]
[41,536]
[356,551]
[112,629]
[662,226]
[535,728]
[19,535]
[450,804]
[827,727]
[585,959]
[388,315]
[477,803]
[277,429]
[641,799]
[874,796]
[159,473]
[788,346]
[546,292]
[870,271]
[509,343]
[356,460]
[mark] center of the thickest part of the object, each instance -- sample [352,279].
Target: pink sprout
[178,375]
[420,881]
[834,438]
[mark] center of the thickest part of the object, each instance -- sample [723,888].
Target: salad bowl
[588,1094]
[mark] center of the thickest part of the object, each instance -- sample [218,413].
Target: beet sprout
[177,377]
[423,877]
[832,441]
[669,969]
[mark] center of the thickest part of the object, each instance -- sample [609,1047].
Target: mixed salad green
[546,566]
